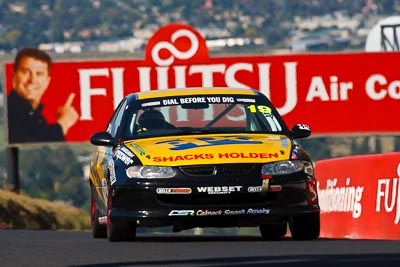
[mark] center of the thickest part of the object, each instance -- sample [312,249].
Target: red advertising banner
[333,93]
[360,196]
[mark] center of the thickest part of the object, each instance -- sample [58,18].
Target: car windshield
[201,115]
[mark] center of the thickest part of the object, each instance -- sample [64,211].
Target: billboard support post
[12,168]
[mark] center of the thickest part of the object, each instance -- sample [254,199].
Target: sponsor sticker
[246,100]
[205,156]
[254,189]
[180,190]
[181,213]
[212,141]
[215,190]
[150,104]
[233,212]
[140,150]
[127,151]
[202,99]
[111,168]
[123,157]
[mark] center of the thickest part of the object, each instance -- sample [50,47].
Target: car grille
[210,170]
[229,170]
[202,170]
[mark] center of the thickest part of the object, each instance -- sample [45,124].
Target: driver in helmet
[152,120]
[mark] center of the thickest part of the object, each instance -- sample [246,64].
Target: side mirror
[300,131]
[102,139]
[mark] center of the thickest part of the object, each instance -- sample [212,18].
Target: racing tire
[121,231]
[305,226]
[98,230]
[273,231]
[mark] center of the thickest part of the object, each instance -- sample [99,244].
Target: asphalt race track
[68,248]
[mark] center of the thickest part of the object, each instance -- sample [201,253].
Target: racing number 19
[262,109]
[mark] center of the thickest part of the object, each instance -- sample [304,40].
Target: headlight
[282,167]
[150,172]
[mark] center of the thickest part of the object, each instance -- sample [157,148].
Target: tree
[53,173]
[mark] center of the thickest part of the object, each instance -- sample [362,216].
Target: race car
[202,157]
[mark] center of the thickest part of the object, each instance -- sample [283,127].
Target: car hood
[211,149]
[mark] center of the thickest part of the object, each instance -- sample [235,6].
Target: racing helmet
[151,120]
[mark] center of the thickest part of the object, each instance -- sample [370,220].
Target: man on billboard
[31,77]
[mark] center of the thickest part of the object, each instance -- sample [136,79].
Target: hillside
[18,211]
[30,23]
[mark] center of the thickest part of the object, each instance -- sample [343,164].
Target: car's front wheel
[305,226]
[273,231]
[121,231]
[98,230]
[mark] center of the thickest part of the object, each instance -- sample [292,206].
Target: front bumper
[211,203]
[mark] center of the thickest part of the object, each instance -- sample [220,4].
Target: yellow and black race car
[202,157]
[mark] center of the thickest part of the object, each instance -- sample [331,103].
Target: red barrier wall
[360,196]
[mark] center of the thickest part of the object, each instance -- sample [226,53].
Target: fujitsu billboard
[339,93]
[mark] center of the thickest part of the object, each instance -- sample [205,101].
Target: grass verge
[19,211]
